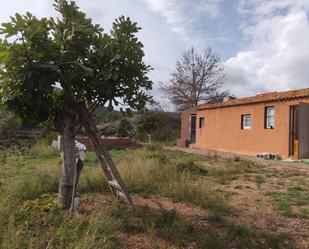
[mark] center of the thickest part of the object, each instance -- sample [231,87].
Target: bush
[162,126]
[47,203]
[125,128]
[9,125]
[48,138]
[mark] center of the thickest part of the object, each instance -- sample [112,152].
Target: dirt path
[227,155]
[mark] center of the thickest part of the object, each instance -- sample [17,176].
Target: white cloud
[181,14]
[277,56]
[267,38]
[262,8]
[209,8]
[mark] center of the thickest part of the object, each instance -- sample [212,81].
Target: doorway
[294,144]
[299,131]
[193,129]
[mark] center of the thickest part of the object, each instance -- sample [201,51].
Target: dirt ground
[255,208]
[262,216]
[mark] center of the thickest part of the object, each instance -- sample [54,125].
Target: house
[275,122]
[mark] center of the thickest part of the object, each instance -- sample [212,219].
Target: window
[201,122]
[246,121]
[270,117]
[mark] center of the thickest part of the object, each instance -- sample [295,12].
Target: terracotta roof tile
[260,98]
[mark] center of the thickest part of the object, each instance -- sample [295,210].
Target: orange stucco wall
[222,129]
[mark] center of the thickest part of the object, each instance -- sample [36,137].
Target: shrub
[47,203]
[125,128]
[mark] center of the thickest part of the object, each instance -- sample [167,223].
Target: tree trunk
[69,161]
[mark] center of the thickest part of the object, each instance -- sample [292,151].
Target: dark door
[193,129]
[303,130]
[294,144]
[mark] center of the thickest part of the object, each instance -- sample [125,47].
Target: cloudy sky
[264,44]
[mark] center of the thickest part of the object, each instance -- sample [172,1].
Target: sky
[263,44]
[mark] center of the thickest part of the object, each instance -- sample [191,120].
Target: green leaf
[71,50]
[87,70]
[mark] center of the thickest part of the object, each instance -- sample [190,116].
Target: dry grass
[29,183]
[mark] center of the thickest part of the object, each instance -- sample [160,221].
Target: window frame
[266,117]
[243,126]
[201,122]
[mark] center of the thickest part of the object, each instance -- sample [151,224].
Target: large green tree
[125,128]
[90,67]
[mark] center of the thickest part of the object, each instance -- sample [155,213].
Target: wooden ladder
[114,180]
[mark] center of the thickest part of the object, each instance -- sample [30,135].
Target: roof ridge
[260,98]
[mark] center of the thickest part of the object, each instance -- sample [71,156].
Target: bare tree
[198,78]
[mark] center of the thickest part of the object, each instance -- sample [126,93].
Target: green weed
[165,224]
[212,241]
[47,203]
[247,237]
[296,196]
[259,180]
[192,168]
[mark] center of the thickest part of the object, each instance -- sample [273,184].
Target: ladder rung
[122,195]
[114,184]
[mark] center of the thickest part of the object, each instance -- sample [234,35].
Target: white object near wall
[267,156]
